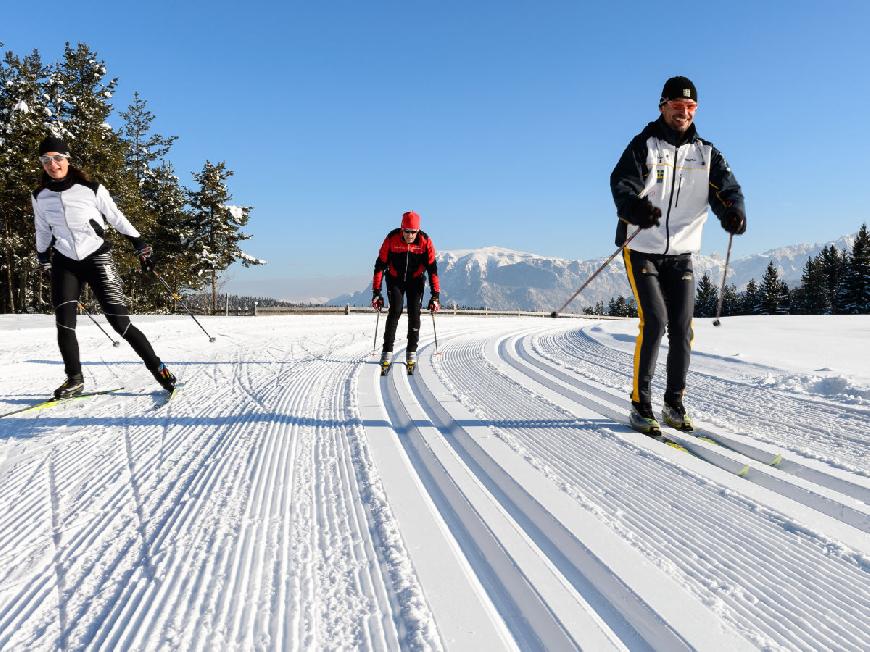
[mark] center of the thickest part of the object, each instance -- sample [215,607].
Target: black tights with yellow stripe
[664,288]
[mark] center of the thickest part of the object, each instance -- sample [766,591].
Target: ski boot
[411,362]
[386,361]
[72,386]
[643,420]
[165,377]
[675,415]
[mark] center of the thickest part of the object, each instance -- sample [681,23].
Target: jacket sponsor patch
[660,176]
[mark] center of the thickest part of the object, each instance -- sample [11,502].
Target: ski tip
[776,461]
[744,471]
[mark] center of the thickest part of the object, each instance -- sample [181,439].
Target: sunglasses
[409,231]
[57,158]
[689,105]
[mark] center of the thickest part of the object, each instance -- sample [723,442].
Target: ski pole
[183,303]
[115,343]
[555,313]
[375,343]
[716,321]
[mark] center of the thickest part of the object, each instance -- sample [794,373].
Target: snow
[290,497]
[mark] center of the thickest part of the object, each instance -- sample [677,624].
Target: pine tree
[618,307]
[22,108]
[751,299]
[213,228]
[146,149]
[853,296]
[730,301]
[783,306]
[163,201]
[811,297]
[79,103]
[832,264]
[773,293]
[706,297]
[165,198]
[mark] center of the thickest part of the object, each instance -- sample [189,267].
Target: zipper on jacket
[407,261]
[679,188]
[72,235]
[670,203]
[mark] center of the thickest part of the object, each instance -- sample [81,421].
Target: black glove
[434,302]
[44,258]
[642,213]
[377,300]
[144,254]
[734,221]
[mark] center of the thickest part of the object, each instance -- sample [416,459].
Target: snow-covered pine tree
[165,198]
[616,306]
[79,102]
[706,297]
[22,111]
[164,202]
[146,149]
[213,227]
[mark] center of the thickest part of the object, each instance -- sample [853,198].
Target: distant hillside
[503,279]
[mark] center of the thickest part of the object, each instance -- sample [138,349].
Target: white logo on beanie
[687,92]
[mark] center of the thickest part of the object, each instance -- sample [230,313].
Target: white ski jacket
[682,179]
[72,218]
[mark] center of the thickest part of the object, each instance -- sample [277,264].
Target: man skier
[663,184]
[405,255]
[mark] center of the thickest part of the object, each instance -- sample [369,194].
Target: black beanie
[53,144]
[678,88]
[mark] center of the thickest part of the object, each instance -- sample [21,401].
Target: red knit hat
[411,220]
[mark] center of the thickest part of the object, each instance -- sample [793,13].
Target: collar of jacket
[660,129]
[59,185]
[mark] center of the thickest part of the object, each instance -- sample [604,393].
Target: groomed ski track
[292,498]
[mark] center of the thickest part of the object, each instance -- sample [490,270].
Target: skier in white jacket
[70,213]
[663,184]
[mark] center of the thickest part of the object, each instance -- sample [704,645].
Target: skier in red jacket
[406,254]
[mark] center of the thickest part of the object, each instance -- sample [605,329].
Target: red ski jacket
[404,262]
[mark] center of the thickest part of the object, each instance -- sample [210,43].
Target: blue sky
[499,122]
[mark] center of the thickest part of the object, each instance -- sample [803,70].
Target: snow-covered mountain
[503,279]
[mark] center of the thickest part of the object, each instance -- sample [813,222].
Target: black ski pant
[98,271]
[664,288]
[396,292]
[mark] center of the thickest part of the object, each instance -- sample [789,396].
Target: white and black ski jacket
[682,175]
[71,215]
